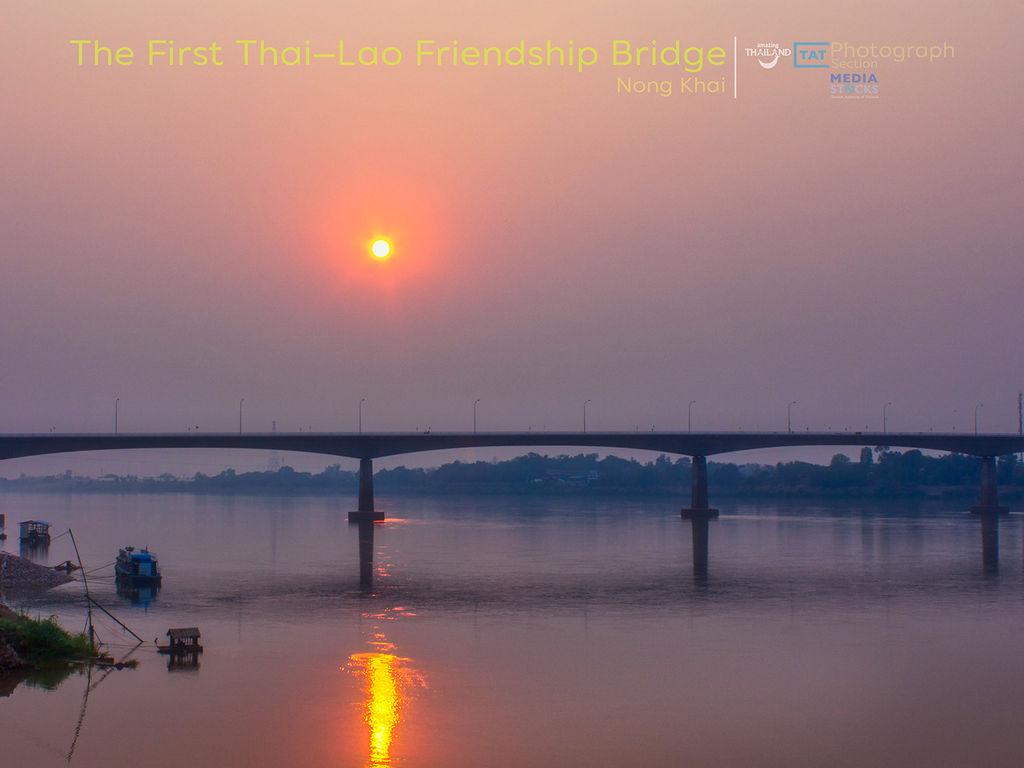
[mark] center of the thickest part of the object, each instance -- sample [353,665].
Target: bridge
[367,446]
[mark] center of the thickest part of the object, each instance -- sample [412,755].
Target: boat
[137,566]
[182,640]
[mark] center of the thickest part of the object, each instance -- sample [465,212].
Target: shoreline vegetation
[877,474]
[35,645]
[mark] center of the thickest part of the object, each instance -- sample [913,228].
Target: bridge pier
[989,504]
[699,491]
[366,511]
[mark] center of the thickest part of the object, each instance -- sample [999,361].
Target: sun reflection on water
[387,682]
[383,701]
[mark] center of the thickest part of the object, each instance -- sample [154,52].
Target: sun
[380,248]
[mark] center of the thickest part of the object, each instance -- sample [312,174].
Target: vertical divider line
[735,65]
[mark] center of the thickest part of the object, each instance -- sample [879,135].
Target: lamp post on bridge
[789,416]
[361,401]
[585,415]
[979,405]
[1020,419]
[240,404]
[689,416]
[474,414]
[117,401]
[884,422]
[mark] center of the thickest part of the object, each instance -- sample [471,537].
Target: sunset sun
[380,248]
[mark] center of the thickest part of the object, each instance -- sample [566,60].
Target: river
[524,631]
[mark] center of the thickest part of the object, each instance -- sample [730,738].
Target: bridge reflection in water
[366,528]
[700,528]
[988,526]
[990,543]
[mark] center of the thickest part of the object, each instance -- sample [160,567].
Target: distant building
[34,531]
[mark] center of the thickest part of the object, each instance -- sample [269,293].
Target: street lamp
[689,416]
[240,402]
[117,400]
[474,413]
[979,405]
[884,423]
[361,401]
[789,416]
[585,415]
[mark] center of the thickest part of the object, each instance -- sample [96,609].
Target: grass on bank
[39,641]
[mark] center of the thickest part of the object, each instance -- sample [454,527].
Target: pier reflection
[699,528]
[990,544]
[366,554]
[989,529]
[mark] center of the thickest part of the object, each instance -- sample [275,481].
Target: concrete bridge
[698,445]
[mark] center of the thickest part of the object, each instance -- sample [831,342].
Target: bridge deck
[378,444]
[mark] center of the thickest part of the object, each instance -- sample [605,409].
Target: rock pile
[19,573]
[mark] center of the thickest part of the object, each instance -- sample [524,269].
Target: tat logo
[811,55]
[767,54]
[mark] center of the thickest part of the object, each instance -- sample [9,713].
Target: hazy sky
[181,238]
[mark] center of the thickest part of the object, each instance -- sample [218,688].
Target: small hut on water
[182,640]
[35,531]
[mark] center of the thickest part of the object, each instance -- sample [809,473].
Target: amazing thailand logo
[768,54]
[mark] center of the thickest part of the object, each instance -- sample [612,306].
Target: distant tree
[1006,468]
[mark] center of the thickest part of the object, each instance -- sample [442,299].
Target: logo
[811,55]
[853,85]
[768,54]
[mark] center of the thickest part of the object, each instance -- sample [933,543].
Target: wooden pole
[85,581]
[123,625]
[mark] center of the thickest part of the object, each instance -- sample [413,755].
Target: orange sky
[184,237]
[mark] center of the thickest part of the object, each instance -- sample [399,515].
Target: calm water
[555,632]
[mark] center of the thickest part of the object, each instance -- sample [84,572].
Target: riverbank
[33,644]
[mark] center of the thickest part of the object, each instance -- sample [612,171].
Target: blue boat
[137,567]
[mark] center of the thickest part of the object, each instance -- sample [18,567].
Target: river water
[511,631]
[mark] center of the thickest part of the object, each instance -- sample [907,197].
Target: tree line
[880,472]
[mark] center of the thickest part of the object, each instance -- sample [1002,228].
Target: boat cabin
[35,531]
[136,565]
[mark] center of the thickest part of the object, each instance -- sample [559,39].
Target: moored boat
[137,566]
